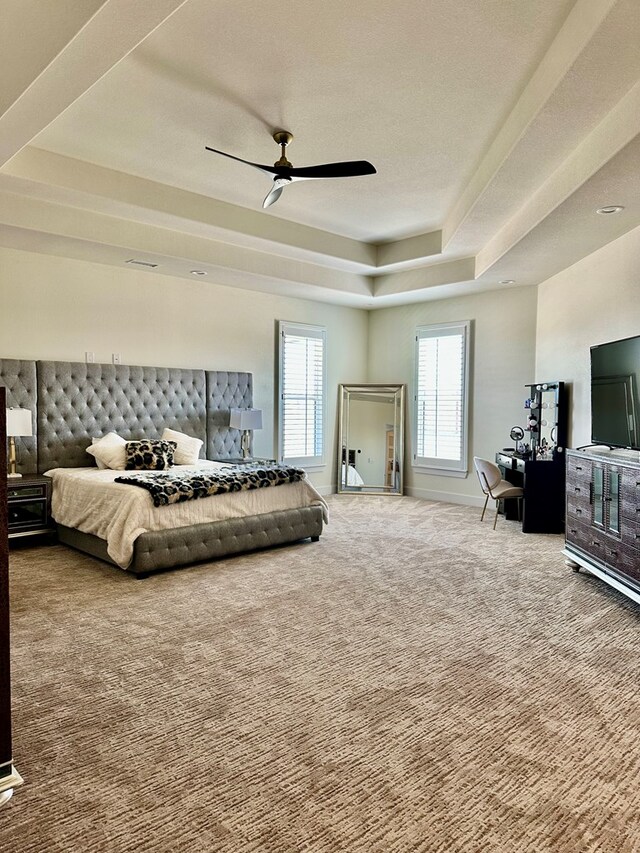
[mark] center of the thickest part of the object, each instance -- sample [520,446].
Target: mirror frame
[398,391]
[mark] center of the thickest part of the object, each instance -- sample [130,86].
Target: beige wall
[502,361]
[55,308]
[595,300]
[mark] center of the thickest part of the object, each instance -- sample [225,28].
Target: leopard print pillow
[150,455]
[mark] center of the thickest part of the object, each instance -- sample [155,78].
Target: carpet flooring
[412,682]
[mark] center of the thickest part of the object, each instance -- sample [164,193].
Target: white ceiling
[497,127]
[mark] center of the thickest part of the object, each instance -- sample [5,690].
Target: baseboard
[326,490]
[425,495]
[446,497]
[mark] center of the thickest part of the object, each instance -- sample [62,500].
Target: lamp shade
[246,418]
[19,422]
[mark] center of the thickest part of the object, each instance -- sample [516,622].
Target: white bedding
[88,500]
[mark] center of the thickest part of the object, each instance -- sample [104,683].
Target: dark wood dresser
[9,778]
[603,516]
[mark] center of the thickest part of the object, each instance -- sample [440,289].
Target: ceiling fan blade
[349,169]
[269,170]
[276,191]
[272,196]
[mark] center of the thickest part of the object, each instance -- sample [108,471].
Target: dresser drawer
[591,541]
[27,515]
[631,486]
[578,510]
[579,491]
[630,529]
[629,510]
[630,521]
[26,492]
[578,534]
[579,469]
[627,560]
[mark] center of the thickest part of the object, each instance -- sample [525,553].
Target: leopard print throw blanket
[172,487]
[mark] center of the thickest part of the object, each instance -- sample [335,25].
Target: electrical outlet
[89,357]
[115,357]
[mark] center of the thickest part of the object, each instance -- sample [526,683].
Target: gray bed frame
[74,402]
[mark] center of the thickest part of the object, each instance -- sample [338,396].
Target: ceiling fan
[284,173]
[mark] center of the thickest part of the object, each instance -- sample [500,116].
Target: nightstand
[28,502]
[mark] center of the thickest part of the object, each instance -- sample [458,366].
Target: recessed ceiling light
[507,281]
[610,209]
[198,272]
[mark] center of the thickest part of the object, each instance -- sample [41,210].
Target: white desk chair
[495,487]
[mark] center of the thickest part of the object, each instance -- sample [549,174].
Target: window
[302,394]
[441,397]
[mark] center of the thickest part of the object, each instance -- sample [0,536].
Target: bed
[75,403]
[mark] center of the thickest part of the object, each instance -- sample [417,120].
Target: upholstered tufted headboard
[75,402]
[225,391]
[78,402]
[19,378]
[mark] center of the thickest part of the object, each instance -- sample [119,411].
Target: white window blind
[441,398]
[302,393]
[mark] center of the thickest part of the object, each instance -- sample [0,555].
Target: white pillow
[188,448]
[109,452]
[99,462]
[101,465]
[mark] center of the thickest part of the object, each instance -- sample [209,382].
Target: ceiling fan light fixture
[284,173]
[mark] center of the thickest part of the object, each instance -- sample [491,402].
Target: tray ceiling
[497,128]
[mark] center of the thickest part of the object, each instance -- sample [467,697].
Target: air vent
[147,264]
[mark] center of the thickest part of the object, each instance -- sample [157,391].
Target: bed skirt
[164,549]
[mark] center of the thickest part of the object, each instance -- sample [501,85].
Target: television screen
[615,404]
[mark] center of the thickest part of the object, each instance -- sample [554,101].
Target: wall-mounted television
[615,384]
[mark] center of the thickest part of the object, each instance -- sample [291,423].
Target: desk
[543,482]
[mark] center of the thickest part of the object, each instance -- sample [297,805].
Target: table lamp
[246,420]
[18,424]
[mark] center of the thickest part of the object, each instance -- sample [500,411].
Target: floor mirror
[371,439]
